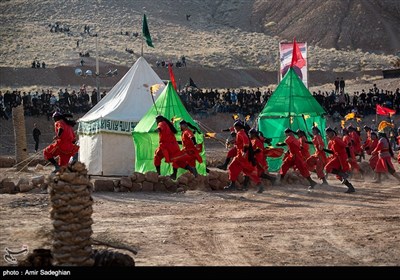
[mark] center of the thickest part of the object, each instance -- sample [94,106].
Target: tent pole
[279,63]
[141,53]
[290,100]
[307,65]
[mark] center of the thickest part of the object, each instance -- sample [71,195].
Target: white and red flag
[298,61]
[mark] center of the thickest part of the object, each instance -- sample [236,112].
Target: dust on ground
[284,226]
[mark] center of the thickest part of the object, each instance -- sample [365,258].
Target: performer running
[294,158]
[304,148]
[367,141]
[337,163]
[169,148]
[64,142]
[385,154]
[244,160]
[350,152]
[257,143]
[190,147]
[370,145]
[356,141]
[318,160]
[230,143]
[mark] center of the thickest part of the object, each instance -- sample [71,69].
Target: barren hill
[233,34]
[369,25]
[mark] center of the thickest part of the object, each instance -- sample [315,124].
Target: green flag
[146,32]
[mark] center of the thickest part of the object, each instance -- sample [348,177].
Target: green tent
[291,105]
[146,139]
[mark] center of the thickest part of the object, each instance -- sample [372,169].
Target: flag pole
[307,65]
[279,62]
[141,53]
[152,98]
[290,92]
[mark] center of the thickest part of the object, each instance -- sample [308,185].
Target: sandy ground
[284,226]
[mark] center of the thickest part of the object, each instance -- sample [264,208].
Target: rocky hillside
[369,25]
[236,34]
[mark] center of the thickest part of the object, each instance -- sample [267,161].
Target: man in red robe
[351,152]
[244,160]
[337,163]
[169,148]
[64,145]
[189,144]
[318,160]
[385,154]
[304,148]
[257,143]
[369,146]
[356,140]
[294,158]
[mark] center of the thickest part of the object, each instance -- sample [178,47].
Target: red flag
[172,77]
[297,57]
[380,110]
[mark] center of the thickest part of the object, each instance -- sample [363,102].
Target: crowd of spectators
[179,63]
[206,102]
[36,64]
[203,102]
[46,102]
[337,105]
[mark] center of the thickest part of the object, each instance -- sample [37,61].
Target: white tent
[105,132]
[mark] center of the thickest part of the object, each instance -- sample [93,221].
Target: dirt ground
[284,226]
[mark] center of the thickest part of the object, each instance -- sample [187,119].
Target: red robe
[356,142]
[352,158]
[168,148]
[240,162]
[304,148]
[318,160]
[384,163]
[337,161]
[262,165]
[374,158]
[64,147]
[294,158]
[189,148]
[367,143]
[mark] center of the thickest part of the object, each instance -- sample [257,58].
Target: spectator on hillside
[337,84]
[183,60]
[342,85]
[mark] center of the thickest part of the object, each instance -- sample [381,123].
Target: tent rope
[29,159]
[205,127]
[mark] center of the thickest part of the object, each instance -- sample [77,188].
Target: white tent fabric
[105,132]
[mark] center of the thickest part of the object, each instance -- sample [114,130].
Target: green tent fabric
[146,139]
[291,105]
